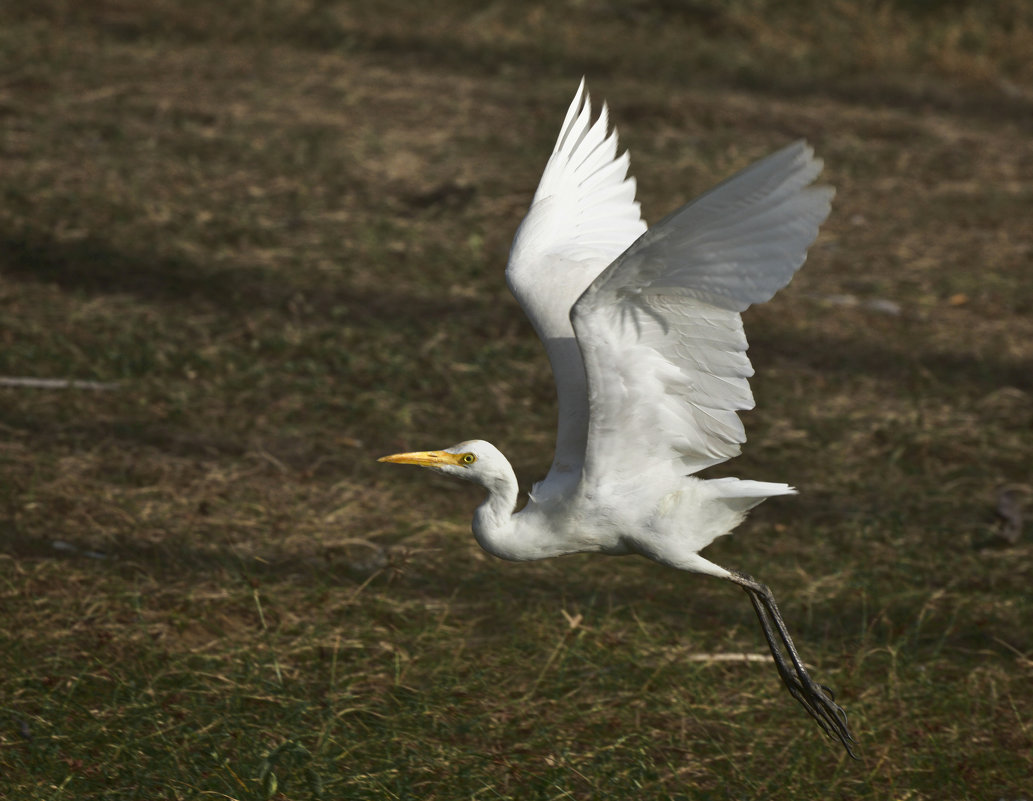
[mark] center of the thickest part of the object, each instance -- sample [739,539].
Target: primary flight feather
[643,332]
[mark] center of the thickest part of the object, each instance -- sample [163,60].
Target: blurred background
[248,247]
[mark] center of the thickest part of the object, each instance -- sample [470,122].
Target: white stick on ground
[56,383]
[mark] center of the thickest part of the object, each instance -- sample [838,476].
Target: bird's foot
[820,704]
[816,698]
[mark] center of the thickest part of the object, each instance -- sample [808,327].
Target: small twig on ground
[265,632]
[573,624]
[55,383]
[728,658]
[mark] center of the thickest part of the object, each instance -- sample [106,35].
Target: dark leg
[815,698]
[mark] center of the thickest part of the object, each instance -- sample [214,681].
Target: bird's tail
[742,495]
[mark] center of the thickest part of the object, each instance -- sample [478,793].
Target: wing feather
[660,332]
[582,217]
[584,211]
[737,244]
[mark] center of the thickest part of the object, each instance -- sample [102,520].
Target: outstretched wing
[660,331]
[582,217]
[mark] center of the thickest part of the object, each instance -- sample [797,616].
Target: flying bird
[643,332]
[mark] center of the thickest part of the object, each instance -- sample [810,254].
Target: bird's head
[475,460]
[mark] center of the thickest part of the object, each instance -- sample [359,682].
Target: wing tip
[577,104]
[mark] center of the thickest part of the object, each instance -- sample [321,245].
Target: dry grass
[280,228]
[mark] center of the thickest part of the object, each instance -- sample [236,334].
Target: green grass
[281,227]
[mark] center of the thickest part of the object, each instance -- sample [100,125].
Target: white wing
[582,217]
[660,331]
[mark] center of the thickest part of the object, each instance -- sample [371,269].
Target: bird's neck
[494,525]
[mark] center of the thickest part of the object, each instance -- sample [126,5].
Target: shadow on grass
[95,267]
[176,441]
[901,364]
[456,54]
[317,28]
[575,582]
[91,265]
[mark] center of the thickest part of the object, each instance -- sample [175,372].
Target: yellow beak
[423,458]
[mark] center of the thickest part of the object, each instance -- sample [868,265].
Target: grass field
[279,228]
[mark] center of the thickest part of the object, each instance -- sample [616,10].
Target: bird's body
[596,518]
[643,332]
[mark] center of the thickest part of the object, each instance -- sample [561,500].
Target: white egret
[644,336]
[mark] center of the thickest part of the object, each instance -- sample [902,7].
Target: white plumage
[643,333]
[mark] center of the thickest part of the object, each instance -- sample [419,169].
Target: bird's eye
[468,458]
